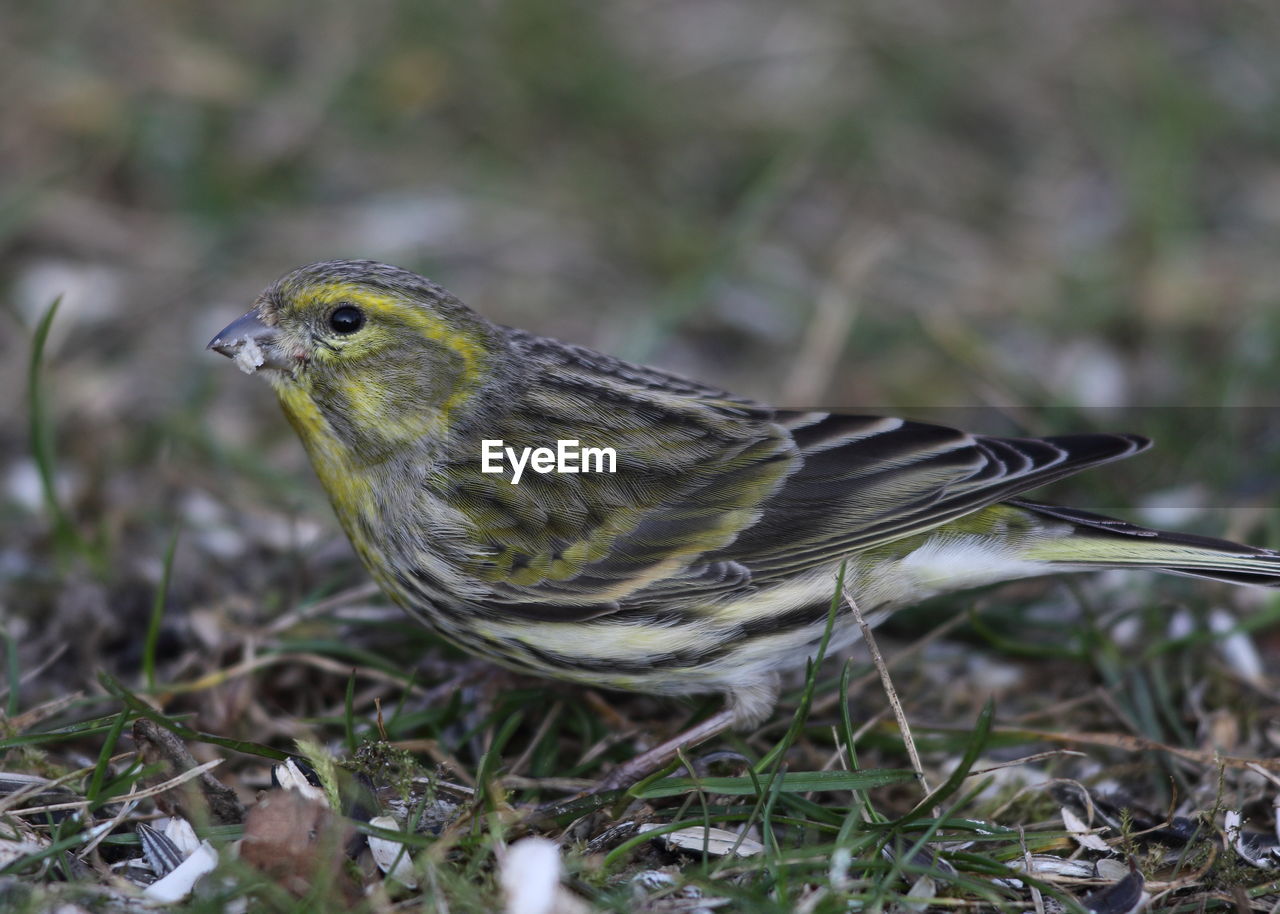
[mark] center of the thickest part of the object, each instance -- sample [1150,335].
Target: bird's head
[365,352]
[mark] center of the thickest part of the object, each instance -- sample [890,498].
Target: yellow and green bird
[707,560]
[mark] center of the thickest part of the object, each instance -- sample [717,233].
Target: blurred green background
[1048,212]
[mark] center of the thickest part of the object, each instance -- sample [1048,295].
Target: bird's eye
[346,319]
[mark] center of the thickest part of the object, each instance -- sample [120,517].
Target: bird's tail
[1104,542]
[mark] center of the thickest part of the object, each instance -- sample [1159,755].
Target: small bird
[707,559]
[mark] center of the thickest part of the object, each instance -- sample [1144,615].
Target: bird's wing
[867,481]
[712,495]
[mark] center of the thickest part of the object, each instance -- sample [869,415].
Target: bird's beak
[251,343]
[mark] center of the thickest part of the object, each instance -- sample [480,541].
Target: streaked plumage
[707,562]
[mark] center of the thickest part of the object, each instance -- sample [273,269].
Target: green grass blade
[145,710]
[157,615]
[349,714]
[492,759]
[978,742]
[15,676]
[61,734]
[42,450]
[104,755]
[790,782]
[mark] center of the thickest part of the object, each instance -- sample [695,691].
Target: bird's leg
[651,760]
[748,706]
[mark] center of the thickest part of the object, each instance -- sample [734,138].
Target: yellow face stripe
[430,325]
[426,323]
